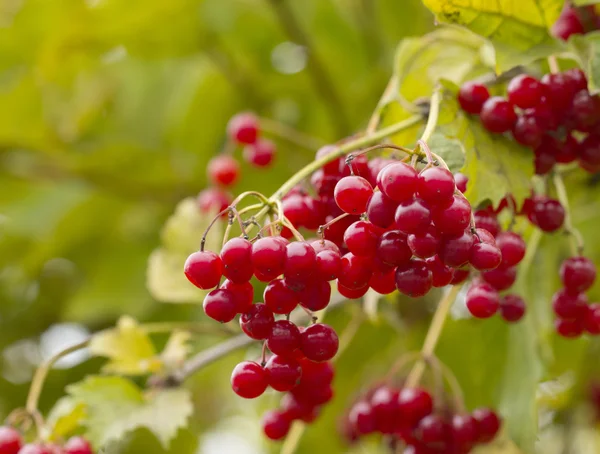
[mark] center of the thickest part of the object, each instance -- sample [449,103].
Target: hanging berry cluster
[557,117]
[576,21]
[412,416]
[11,442]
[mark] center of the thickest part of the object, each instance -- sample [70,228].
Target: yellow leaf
[176,350]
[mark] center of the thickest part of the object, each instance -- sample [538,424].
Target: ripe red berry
[77,445]
[567,24]
[319,342]
[398,181]
[316,373]
[441,274]
[260,154]
[243,295]
[497,115]
[352,194]
[559,90]
[456,251]
[433,431]
[512,308]
[569,305]
[361,417]
[258,322]
[361,238]
[472,96]
[567,151]
[454,217]
[383,282]
[356,271]
[577,274]
[352,293]
[547,214]
[482,300]
[425,243]
[268,256]
[220,305]
[329,264]
[591,319]
[300,260]
[381,210]
[333,166]
[512,246]
[412,216]
[316,295]
[35,448]
[10,440]
[284,338]
[589,153]
[393,248]
[279,297]
[501,278]
[414,279]
[488,424]
[436,185]
[463,429]
[488,221]
[485,256]
[276,425]
[584,112]
[213,200]
[224,170]
[283,373]
[243,128]
[249,380]
[569,328]
[461,181]
[528,131]
[236,255]
[524,91]
[384,404]
[204,269]
[414,404]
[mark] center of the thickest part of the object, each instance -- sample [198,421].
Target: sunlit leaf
[65,417]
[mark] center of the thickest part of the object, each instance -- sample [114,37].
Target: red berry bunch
[557,117]
[409,414]
[11,442]
[570,304]
[244,129]
[575,21]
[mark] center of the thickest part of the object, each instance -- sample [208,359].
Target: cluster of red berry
[551,116]
[576,21]
[11,442]
[409,414]
[570,304]
[223,170]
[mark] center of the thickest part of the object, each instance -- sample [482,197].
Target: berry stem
[290,134]
[576,239]
[553,64]
[433,335]
[434,112]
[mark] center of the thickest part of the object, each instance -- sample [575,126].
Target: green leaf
[518,29]
[494,164]
[585,2]
[116,406]
[181,236]
[586,49]
[128,348]
[65,417]
[450,150]
[176,350]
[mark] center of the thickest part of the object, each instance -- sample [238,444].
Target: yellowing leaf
[128,348]
[65,417]
[176,350]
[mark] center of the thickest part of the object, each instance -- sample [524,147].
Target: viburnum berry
[280,298]
[276,424]
[204,269]
[10,440]
[414,404]
[512,308]
[333,166]
[485,256]
[543,162]
[356,165]
[243,295]
[452,218]
[569,328]
[236,255]
[501,278]
[425,243]
[258,322]
[361,238]
[528,131]
[352,293]
[592,319]
[482,300]
[356,271]
[213,200]
[577,274]
[524,91]
[249,380]
[319,342]
[36,448]
[243,128]
[381,210]
[567,24]
[300,260]
[461,181]
[567,151]
[223,169]
[268,255]
[488,424]
[460,275]
[589,153]
[284,338]
[558,90]
[77,445]
[432,431]
[283,373]
[412,216]
[260,153]
[456,251]
[463,429]
[315,395]
[569,305]
[436,185]
[441,274]
[393,248]
[315,295]
[414,279]
[512,246]
[352,194]
[384,403]
[497,115]
[472,96]
[220,305]
[547,214]
[383,282]
[488,221]
[398,181]
[361,417]
[329,264]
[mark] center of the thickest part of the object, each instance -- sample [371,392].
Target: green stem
[576,239]
[434,113]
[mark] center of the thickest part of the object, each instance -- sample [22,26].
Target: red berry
[472,96]
[463,429]
[384,404]
[243,128]
[316,295]
[393,248]
[329,265]
[577,274]
[358,165]
[576,78]
[220,305]
[501,278]
[414,404]
[512,246]
[260,154]
[249,380]
[383,282]
[482,300]
[456,251]
[258,322]
[441,274]
[567,151]
[316,373]
[268,256]
[452,218]
[361,417]
[484,236]
[333,166]
[352,194]
[224,170]
[10,440]
[352,293]
[524,91]
[35,448]
[276,424]
[497,115]
[589,153]
[213,200]
[488,221]
[569,328]
[283,373]
[279,297]
[567,24]
[436,185]
[315,395]
[591,320]
[203,269]
[300,260]
[294,408]
[236,255]
[485,256]
[319,342]
[398,181]
[243,295]
[77,445]
[414,279]
[361,238]
[558,90]
[585,111]
[284,338]
[569,305]
[547,214]
[528,131]
[412,216]
[488,424]
[356,271]
[433,431]
[425,243]
[381,210]
[460,275]
[461,181]
[512,308]
[543,162]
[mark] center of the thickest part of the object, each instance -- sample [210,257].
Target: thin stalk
[434,112]
[576,239]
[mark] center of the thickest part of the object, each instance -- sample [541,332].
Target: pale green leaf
[450,150]
[176,350]
[116,406]
[65,417]
[128,347]
[587,50]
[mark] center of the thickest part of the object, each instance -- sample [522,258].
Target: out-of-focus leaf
[450,150]
[128,347]
[116,406]
[65,417]
[586,49]
[180,237]
[176,350]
